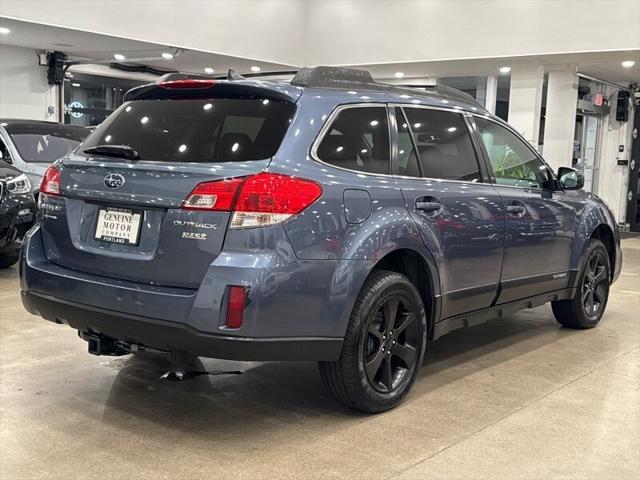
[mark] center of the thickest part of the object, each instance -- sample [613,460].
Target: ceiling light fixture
[505,69]
[119,56]
[398,74]
[209,70]
[75,84]
[255,69]
[628,63]
[167,55]
[4,30]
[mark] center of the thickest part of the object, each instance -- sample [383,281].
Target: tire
[378,366]
[8,260]
[587,307]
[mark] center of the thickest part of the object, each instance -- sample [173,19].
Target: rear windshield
[43,143]
[201,131]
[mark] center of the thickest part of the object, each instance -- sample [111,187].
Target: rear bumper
[178,337]
[299,314]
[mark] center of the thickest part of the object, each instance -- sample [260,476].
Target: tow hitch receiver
[102,345]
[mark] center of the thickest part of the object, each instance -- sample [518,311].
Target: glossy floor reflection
[518,397]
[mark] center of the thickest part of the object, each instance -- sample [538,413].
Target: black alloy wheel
[595,284]
[383,346]
[587,306]
[390,346]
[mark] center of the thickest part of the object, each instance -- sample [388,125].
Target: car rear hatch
[126,217]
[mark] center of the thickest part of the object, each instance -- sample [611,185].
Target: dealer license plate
[118,225]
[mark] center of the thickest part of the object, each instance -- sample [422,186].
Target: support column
[525,98]
[560,118]
[491,94]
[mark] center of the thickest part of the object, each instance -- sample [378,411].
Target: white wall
[315,32]
[266,30]
[613,179]
[371,31]
[24,92]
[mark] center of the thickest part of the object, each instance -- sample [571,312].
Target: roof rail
[331,77]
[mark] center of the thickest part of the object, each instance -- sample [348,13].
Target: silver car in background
[32,145]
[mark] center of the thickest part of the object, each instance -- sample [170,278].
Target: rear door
[457,211]
[124,218]
[540,221]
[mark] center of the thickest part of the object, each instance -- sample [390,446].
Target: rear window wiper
[119,151]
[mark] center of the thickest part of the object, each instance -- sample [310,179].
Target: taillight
[216,195]
[187,83]
[51,181]
[263,199]
[270,198]
[235,306]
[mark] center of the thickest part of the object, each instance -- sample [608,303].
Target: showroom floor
[515,398]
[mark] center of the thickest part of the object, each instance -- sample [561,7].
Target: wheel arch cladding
[420,270]
[596,224]
[604,233]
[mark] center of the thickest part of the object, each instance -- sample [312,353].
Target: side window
[358,139]
[407,158]
[4,153]
[444,146]
[513,162]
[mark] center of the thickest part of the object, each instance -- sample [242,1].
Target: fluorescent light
[119,56]
[398,74]
[208,106]
[75,84]
[167,55]
[144,119]
[4,30]
[209,70]
[255,69]
[505,69]
[628,63]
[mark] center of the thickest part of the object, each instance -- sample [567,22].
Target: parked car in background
[332,219]
[31,145]
[17,213]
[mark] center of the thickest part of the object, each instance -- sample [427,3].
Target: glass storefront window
[89,99]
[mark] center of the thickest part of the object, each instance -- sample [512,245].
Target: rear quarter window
[357,139]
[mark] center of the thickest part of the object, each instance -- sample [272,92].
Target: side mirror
[570,178]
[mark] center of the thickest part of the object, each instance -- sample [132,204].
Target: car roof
[5,122]
[337,82]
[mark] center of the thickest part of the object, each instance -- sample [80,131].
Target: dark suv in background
[331,218]
[17,213]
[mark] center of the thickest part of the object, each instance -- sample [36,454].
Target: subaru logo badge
[114,180]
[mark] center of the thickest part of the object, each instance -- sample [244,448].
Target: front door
[457,213]
[540,220]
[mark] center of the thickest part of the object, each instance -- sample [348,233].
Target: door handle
[516,209]
[428,204]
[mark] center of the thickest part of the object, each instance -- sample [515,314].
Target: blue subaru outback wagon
[331,218]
